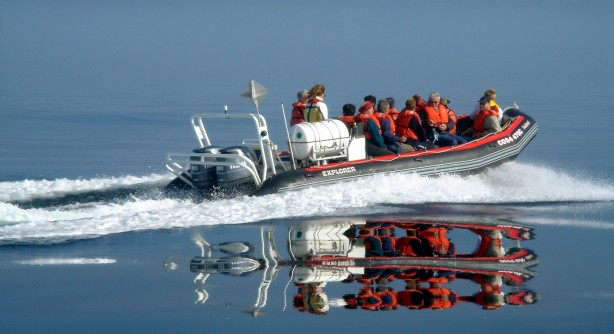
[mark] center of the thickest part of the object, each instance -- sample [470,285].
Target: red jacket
[478,123]
[439,116]
[297,113]
[348,120]
[403,121]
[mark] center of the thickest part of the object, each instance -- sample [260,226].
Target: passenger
[491,94]
[394,113]
[370,98]
[410,127]
[374,142]
[445,102]
[487,120]
[298,108]
[393,142]
[440,124]
[316,110]
[348,115]
[420,104]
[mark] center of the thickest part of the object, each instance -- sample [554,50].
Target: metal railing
[178,163]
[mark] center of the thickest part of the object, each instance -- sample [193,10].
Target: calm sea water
[93,94]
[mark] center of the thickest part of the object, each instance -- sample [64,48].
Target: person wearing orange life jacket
[446,103]
[374,143]
[487,120]
[298,108]
[491,94]
[439,124]
[420,104]
[392,112]
[409,126]
[393,142]
[315,109]
[348,115]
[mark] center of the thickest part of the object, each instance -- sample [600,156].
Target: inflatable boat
[323,153]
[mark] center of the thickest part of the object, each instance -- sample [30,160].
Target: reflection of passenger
[522,297]
[410,246]
[490,296]
[436,241]
[490,243]
[434,297]
[379,242]
[311,298]
[383,298]
[389,299]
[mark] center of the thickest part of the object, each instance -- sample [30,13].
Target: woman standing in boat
[316,110]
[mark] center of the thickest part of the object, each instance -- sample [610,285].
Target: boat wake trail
[43,212]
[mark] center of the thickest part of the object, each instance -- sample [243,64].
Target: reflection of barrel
[319,140]
[204,176]
[234,176]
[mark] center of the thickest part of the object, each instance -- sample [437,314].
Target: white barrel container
[319,140]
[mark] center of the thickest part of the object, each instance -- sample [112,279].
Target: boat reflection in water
[383,265]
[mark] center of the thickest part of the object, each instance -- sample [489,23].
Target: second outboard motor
[236,178]
[204,177]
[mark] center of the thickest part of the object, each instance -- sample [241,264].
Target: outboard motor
[236,178]
[204,177]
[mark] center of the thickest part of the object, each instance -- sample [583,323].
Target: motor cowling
[204,176]
[236,176]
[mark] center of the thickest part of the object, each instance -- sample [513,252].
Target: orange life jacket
[368,300]
[388,298]
[297,113]
[403,121]
[441,298]
[348,120]
[404,247]
[436,239]
[452,116]
[380,116]
[365,120]
[439,116]
[394,114]
[478,123]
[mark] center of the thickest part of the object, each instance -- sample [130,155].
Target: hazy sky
[212,48]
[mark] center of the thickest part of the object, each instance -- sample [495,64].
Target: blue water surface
[96,91]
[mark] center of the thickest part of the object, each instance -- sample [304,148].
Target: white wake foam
[29,189]
[511,183]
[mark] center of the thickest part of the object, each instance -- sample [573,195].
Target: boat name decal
[338,171]
[339,263]
[526,125]
[510,139]
[519,260]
